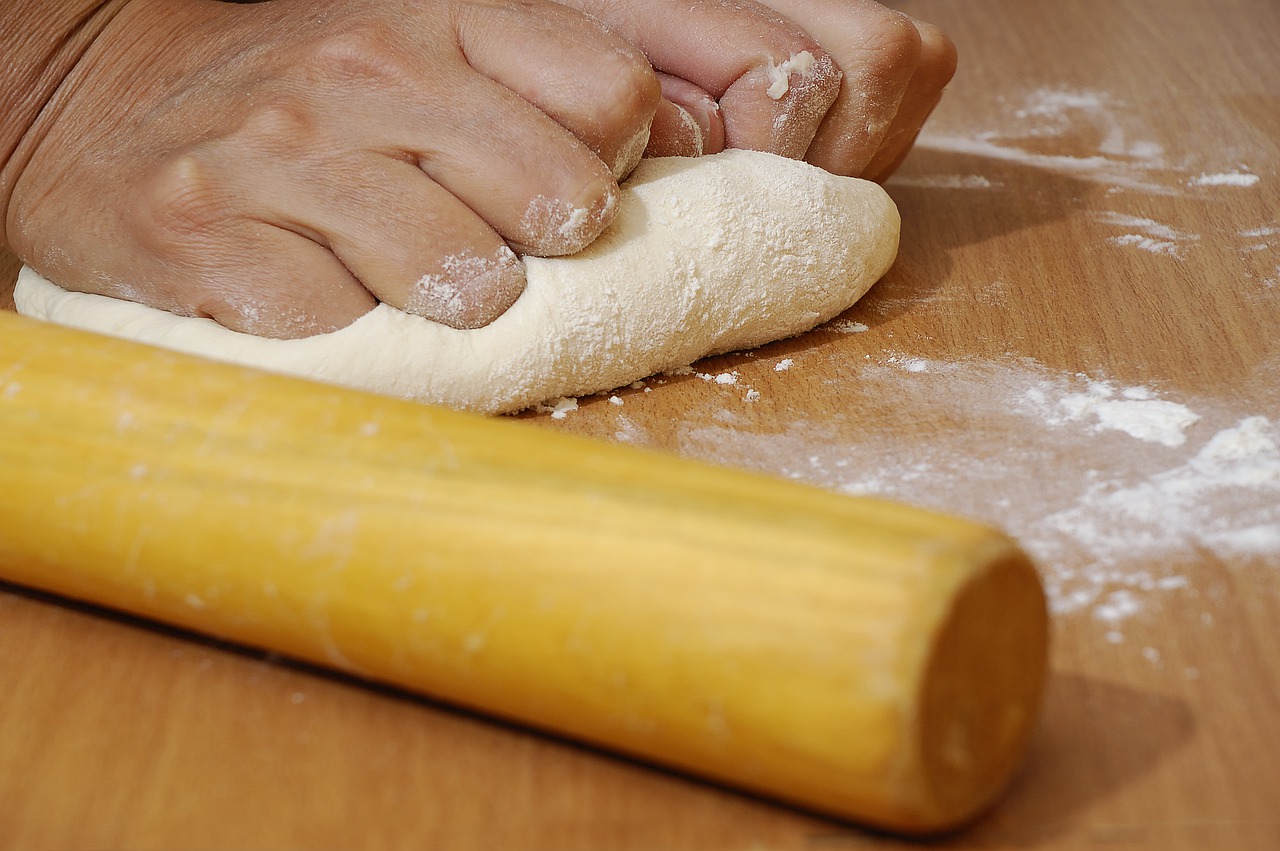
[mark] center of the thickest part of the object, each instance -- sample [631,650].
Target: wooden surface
[1079,343]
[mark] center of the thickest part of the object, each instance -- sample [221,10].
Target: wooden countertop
[1080,343]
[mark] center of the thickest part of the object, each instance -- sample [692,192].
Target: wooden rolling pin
[851,656]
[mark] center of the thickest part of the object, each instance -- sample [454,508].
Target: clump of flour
[1230,178]
[559,408]
[1102,405]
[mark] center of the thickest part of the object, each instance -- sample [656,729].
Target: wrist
[41,42]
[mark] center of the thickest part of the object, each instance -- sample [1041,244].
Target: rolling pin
[854,657]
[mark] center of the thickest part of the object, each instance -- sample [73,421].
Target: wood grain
[9,265]
[1063,234]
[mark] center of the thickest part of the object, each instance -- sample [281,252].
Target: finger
[272,282]
[688,121]
[878,50]
[408,241]
[206,253]
[528,177]
[772,81]
[594,83]
[523,174]
[936,67]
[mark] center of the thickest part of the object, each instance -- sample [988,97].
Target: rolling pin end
[980,696]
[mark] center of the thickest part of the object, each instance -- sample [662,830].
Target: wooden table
[1080,343]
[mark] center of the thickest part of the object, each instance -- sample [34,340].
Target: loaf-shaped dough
[707,255]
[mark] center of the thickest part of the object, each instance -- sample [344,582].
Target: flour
[723,379]
[1119,161]
[1109,486]
[1123,157]
[1146,243]
[846,326]
[1133,410]
[1097,168]
[910,364]
[1231,178]
[559,408]
[800,64]
[1117,488]
[1093,139]
[1225,498]
[946,181]
[1151,236]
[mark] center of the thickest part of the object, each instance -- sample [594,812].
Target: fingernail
[628,156]
[705,113]
[802,88]
[552,227]
[468,291]
[677,133]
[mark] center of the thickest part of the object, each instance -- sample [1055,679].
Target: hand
[845,84]
[281,167]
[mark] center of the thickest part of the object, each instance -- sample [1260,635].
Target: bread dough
[707,255]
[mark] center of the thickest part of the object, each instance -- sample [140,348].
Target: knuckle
[630,97]
[360,55]
[893,44]
[179,202]
[938,56]
[628,90]
[282,125]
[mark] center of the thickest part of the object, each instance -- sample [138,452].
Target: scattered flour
[722,378]
[1111,480]
[1120,161]
[946,181]
[845,326]
[1120,153]
[1133,410]
[1149,235]
[1146,243]
[1093,139]
[559,408]
[1224,499]
[628,431]
[1231,178]
[910,364]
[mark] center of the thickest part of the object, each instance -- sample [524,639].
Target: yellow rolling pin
[855,657]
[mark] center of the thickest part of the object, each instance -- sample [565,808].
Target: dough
[707,255]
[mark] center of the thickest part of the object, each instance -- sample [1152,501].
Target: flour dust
[1098,480]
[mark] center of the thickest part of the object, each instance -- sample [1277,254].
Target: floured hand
[339,152]
[843,84]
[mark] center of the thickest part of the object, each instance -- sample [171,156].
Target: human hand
[844,84]
[281,167]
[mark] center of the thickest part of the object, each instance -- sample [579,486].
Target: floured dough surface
[707,255]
